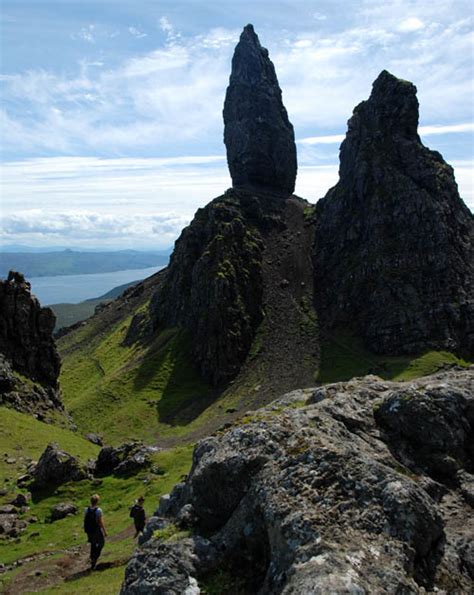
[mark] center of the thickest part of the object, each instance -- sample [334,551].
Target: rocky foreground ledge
[363,486]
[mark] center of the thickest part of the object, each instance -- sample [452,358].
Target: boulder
[258,136]
[56,467]
[10,525]
[431,429]
[94,438]
[21,500]
[123,460]
[62,510]
[153,524]
[322,499]
[8,509]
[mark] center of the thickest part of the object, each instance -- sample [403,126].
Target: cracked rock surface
[343,488]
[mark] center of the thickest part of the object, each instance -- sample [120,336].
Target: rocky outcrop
[123,460]
[43,402]
[243,264]
[26,332]
[259,138]
[56,467]
[29,362]
[11,526]
[394,248]
[327,494]
[62,510]
[215,284]
[213,288]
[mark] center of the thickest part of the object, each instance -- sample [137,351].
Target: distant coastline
[73,289]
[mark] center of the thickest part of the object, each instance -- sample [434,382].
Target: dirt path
[46,569]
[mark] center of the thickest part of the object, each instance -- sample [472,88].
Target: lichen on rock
[322,498]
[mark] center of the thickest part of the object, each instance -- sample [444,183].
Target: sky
[111,110]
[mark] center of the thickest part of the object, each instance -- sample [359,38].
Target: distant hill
[70,262]
[41,249]
[68,314]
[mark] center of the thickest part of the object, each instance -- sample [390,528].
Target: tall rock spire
[259,138]
[394,251]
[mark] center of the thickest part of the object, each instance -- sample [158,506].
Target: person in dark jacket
[137,513]
[95,529]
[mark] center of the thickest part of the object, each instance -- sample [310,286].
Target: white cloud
[446,129]
[219,37]
[172,36]
[410,24]
[435,129]
[318,16]
[102,199]
[86,34]
[83,227]
[313,182]
[174,93]
[153,62]
[165,25]
[464,174]
[168,101]
[322,140]
[135,32]
[303,43]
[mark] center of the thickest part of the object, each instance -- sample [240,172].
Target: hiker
[95,529]
[137,513]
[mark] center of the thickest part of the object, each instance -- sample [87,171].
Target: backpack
[90,521]
[133,511]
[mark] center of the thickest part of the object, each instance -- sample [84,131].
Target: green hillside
[22,438]
[152,389]
[343,357]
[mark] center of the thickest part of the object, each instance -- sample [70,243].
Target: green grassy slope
[147,390]
[23,436]
[68,314]
[128,392]
[343,357]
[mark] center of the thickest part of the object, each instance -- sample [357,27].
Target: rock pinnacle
[259,138]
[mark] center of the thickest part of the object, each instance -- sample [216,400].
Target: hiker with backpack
[95,529]
[137,513]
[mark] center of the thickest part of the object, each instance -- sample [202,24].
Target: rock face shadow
[183,395]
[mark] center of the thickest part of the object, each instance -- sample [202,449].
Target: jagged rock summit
[26,332]
[259,138]
[394,248]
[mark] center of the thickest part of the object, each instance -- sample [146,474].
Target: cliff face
[213,288]
[394,249]
[29,362]
[259,138]
[26,332]
[240,268]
